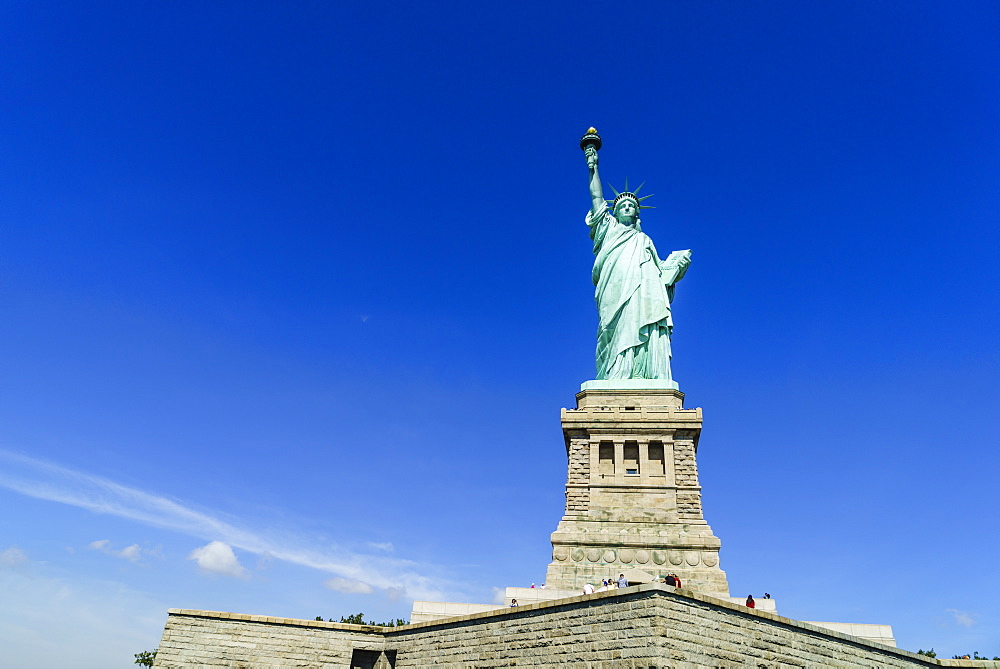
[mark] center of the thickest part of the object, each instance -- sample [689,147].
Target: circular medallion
[641,556]
[709,559]
[626,555]
[609,556]
[675,558]
[577,554]
[560,554]
[659,557]
[593,554]
[692,558]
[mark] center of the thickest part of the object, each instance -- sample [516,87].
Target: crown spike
[630,195]
[646,206]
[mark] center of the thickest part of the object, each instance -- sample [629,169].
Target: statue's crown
[629,195]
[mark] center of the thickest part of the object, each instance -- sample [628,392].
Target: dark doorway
[373,659]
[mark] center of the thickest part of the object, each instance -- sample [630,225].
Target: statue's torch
[591,139]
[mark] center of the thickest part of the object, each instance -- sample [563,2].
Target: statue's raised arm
[596,192]
[590,143]
[633,287]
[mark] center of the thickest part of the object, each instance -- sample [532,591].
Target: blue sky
[292,295]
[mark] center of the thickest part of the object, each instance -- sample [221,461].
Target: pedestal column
[633,500]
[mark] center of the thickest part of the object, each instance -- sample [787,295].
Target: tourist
[588,589]
[670,580]
[541,587]
[532,585]
[767,595]
[750,602]
[622,581]
[678,579]
[513,602]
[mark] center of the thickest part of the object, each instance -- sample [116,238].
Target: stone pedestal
[632,494]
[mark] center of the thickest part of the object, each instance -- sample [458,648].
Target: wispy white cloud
[12,557]
[218,558]
[44,480]
[382,546]
[46,618]
[131,553]
[395,592]
[348,586]
[963,618]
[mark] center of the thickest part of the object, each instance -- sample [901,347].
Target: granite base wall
[647,626]
[211,639]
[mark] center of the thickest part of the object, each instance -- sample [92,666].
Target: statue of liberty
[634,287]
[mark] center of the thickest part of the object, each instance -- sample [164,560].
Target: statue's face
[627,212]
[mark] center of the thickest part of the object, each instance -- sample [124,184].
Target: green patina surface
[633,288]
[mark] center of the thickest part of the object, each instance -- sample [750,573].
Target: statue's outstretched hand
[591,154]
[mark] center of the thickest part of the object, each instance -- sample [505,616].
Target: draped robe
[634,289]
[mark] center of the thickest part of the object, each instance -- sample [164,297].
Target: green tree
[359,619]
[927,653]
[398,622]
[146,657]
[354,619]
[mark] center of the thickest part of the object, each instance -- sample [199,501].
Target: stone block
[632,493]
[646,625]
